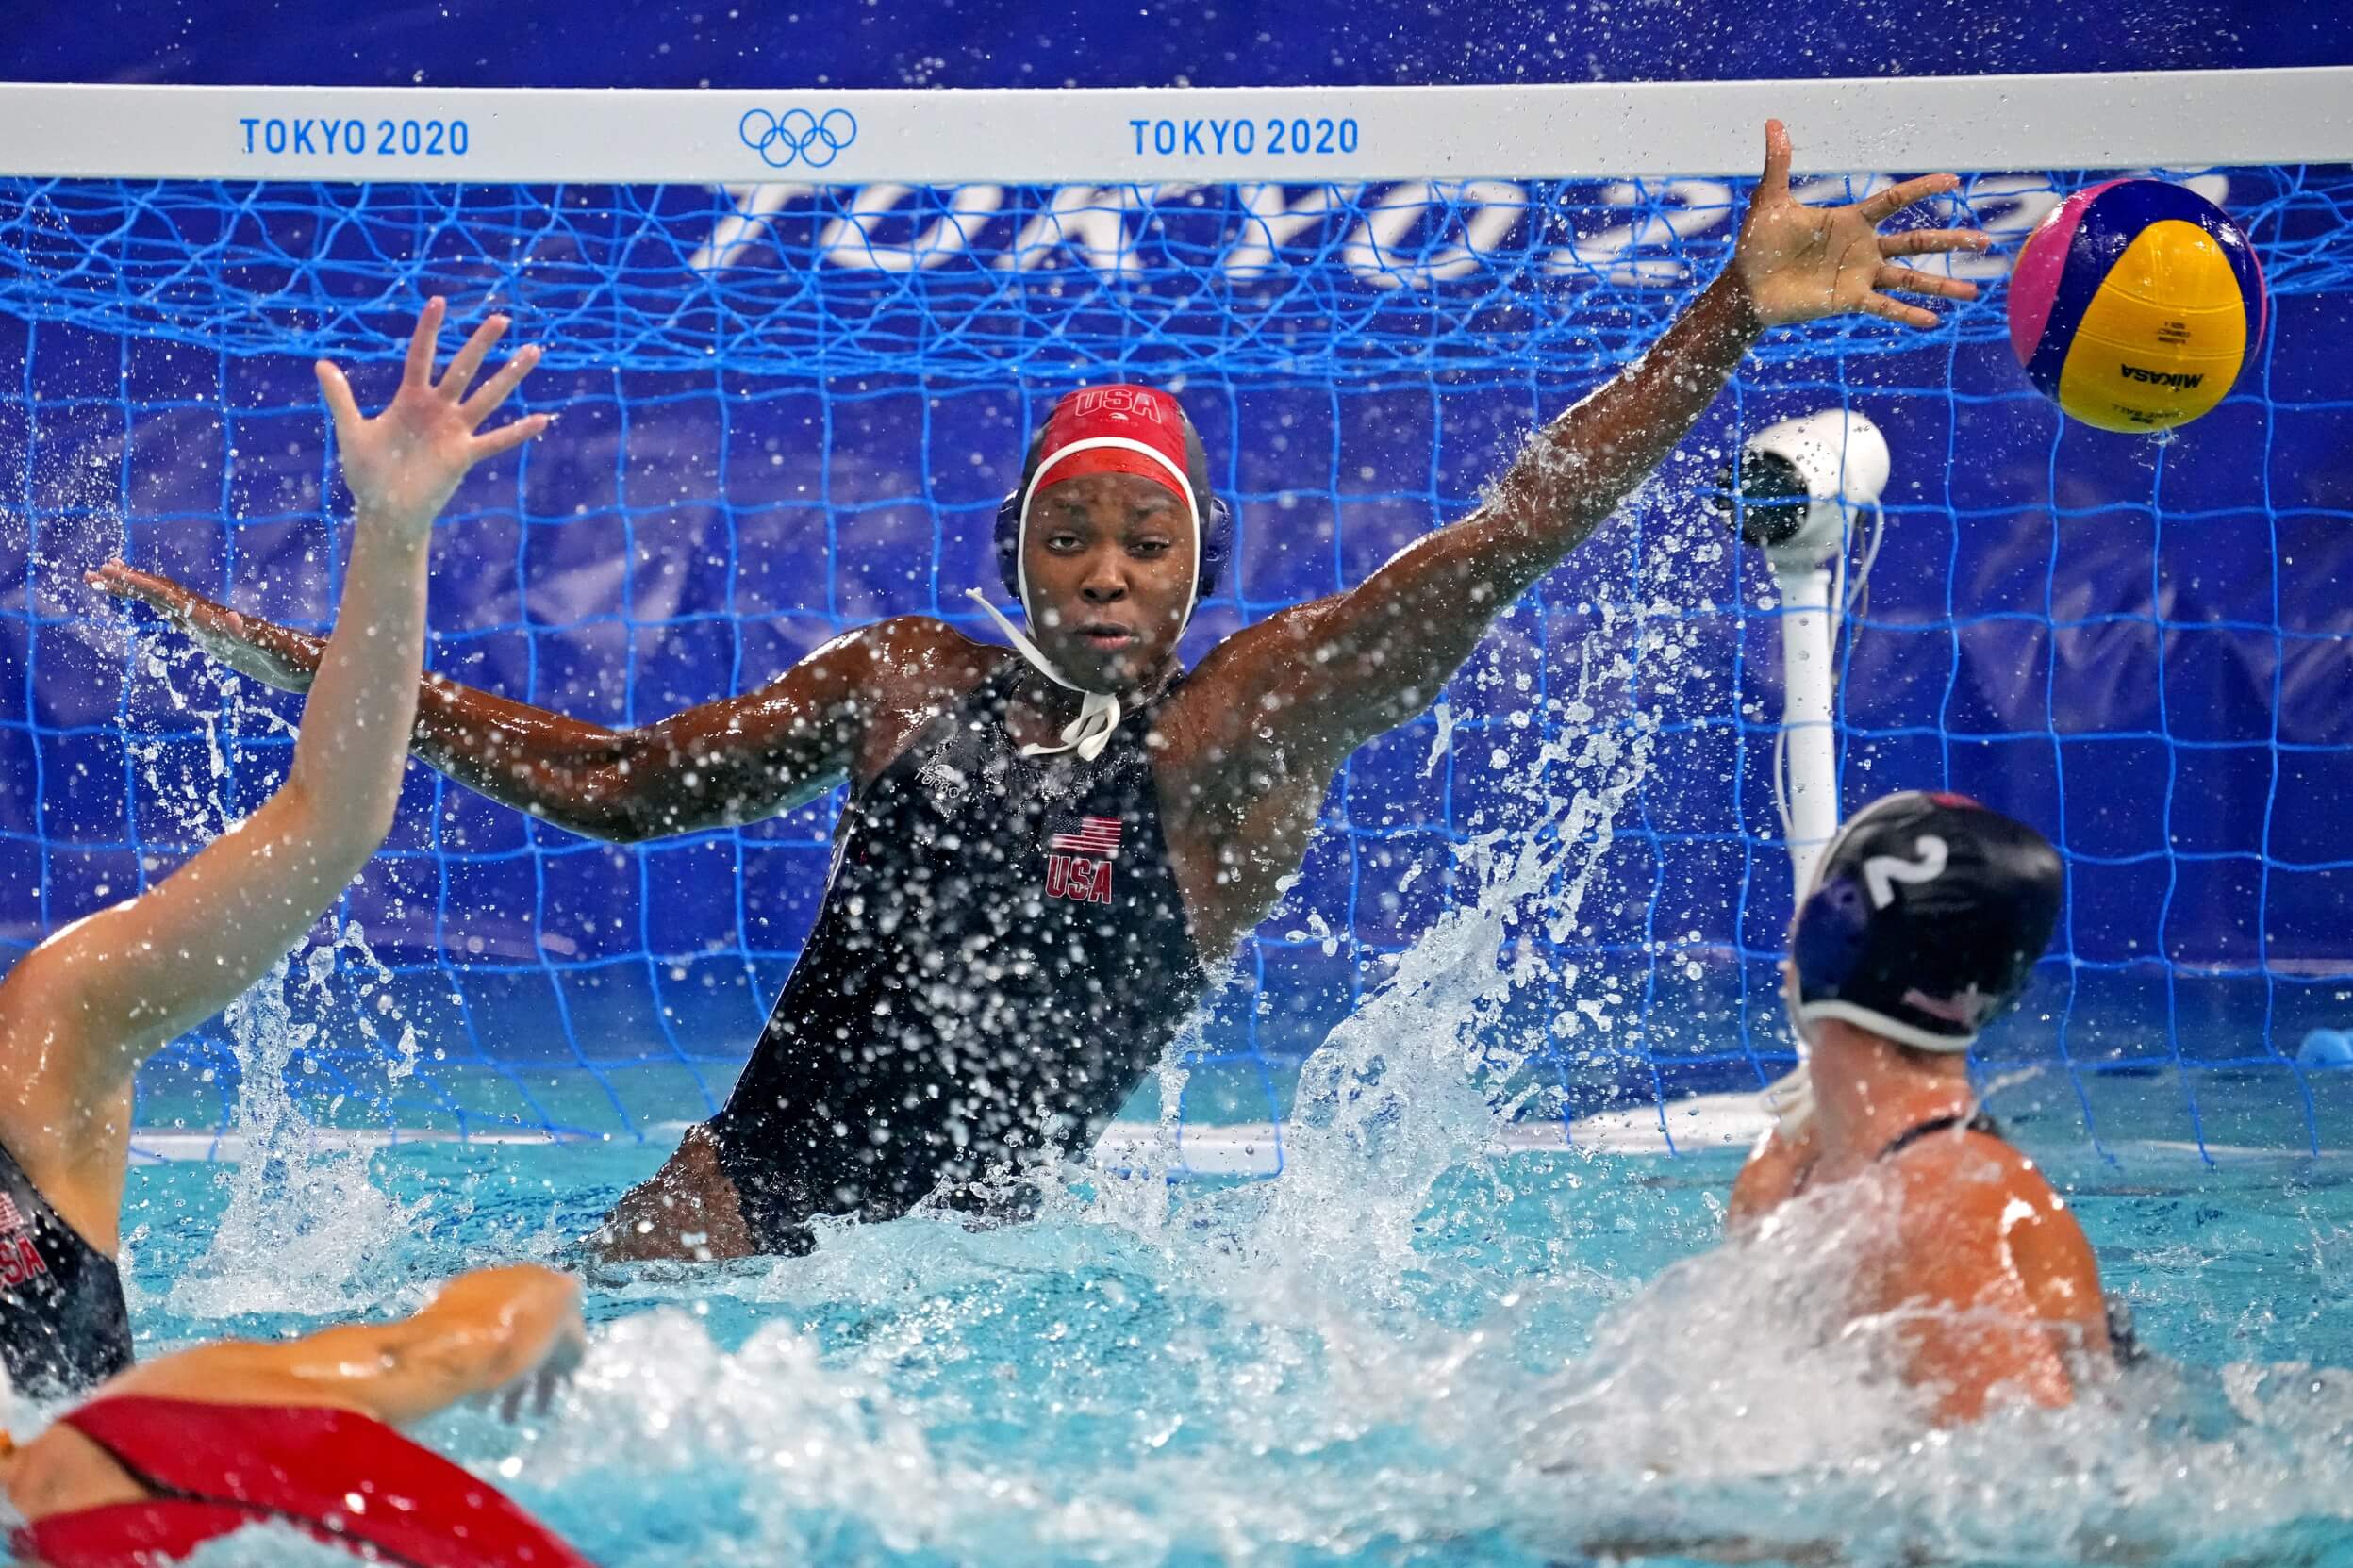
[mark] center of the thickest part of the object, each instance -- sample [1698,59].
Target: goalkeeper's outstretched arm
[1330,675]
[718,765]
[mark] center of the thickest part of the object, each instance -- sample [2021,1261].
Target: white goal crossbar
[1160,136]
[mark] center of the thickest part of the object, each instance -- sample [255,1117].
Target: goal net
[797,346]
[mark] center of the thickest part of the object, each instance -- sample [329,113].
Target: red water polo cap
[1117,429]
[336,1475]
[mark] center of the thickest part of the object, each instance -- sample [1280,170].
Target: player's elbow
[496,1325]
[613,796]
[653,786]
[615,809]
[370,822]
[341,830]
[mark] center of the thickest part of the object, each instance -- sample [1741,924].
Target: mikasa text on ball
[2135,304]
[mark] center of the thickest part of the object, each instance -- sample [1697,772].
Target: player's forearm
[1578,469]
[143,971]
[277,655]
[483,1331]
[1401,635]
[480,1333]
[593,780]
[363,700]
[541,761]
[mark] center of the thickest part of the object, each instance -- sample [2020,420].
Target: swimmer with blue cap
[1925,921]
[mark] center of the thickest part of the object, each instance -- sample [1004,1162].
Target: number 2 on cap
[1882,872]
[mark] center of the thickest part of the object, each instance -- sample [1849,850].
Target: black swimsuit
[63,1324]
[1001,955]
[1979,1120]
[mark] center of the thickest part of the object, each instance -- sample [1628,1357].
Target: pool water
[1412,1347]
[1391,1355]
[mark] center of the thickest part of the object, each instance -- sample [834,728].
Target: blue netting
[783,412]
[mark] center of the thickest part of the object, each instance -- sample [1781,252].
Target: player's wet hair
[1926,916]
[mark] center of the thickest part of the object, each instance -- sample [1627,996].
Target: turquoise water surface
[1396,1353]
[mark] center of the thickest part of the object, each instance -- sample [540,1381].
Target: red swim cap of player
[1121,429]
[336,1475]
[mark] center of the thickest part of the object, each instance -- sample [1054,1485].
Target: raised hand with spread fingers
[82,1011]
[1799,263]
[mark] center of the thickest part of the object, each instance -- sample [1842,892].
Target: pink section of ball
[2042,261]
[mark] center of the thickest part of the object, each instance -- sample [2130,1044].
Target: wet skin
[1991,1279]
[1109,562]
[512,1333]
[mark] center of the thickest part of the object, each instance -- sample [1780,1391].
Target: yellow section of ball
[2162,341]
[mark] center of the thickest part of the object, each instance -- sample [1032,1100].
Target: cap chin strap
[1099,711]
[1790,1099]
[1872,1021]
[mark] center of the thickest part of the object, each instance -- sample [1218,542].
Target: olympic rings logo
[798,136]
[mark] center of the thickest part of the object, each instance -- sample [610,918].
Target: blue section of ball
[2116,216]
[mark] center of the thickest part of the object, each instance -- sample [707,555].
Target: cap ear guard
[1831,934]
[1009,542]
[1217,545]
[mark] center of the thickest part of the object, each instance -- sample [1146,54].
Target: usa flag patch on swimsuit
[1094,835]
[1079,857]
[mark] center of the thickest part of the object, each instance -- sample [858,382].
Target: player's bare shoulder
[909,670]
[1235,696]
[918,659]
[1971,1171]
[1240,784]
[1970,1184]
[1974,1196]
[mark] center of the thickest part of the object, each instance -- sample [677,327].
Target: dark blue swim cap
[1926,918]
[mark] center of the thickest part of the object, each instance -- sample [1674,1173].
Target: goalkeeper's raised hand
[1800,262]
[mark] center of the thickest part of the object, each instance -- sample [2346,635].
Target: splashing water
[1412,1348]
[306,1230]
[1418,1079]
[921,1393]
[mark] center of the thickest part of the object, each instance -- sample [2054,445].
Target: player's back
[1989,1281]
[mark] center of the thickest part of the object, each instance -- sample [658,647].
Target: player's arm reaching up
[1278,705]
[1361,662]
[82,1010]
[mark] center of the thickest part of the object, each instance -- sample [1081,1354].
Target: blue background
[1144,43]
[2141,647]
